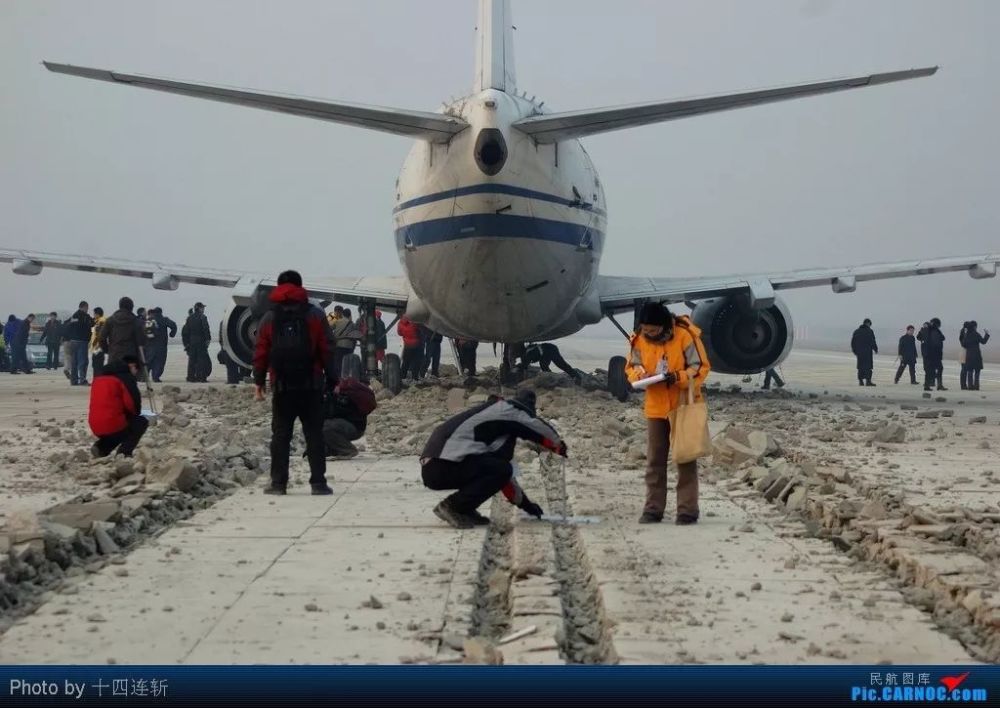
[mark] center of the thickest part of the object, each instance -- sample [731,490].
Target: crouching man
[346,417]
[472,452]
[115,408]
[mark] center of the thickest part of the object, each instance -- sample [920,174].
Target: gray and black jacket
[491,428]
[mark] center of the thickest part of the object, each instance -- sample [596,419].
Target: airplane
[500,222]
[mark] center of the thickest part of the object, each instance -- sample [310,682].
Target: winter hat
[525,399]
[653,313]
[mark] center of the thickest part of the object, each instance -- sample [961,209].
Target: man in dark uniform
[931,340]
[907,355]
[159,328]
[197,335]
[864,347]
[51,338]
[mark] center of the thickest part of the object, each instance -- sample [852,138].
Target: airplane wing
[554,127]
[433,127]
[620,293]
[388,292]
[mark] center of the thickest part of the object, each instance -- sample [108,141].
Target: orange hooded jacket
[685,355]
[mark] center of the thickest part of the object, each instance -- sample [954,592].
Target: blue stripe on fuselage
[498,189]
[425,233]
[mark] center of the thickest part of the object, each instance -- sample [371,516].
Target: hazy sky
[894,172]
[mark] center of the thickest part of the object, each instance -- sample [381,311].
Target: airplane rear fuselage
[500,238]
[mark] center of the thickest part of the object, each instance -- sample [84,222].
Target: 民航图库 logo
[918,687]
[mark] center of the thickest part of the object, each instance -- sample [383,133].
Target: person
[295,346]
[4,359]
[864,347]
[472,453]
[671,346]
[431,360]
[907,352]
[116,408]
[234,372]
[96,355]
[159,328]
[413,347]
[932,349]
[123,334]
[545,354]
[78,328]
[19,347]
[973,354]
[346,412]
[346,335]
[196,336]
[772,375]
[334,317]
[964,370]
[381,341]
[51,339]
[10,330]
[467,355]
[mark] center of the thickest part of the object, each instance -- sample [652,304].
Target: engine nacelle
[740,339]
[239,333]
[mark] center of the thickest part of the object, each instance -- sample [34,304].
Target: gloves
[670,378]
[531,508]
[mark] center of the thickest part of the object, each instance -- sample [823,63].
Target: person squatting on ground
[51,338]
[864,347]
[472,453]
[671,346]
[116,408]
[931,340]
[77,331]
[123,334]
[413,348]
[158,328]
[196,335]
[346,411]
[294,347]
[544,354]
[907,352]
[973,366]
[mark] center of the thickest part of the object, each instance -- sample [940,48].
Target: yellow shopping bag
[689,438]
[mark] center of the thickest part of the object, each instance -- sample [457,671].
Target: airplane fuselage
[500,238]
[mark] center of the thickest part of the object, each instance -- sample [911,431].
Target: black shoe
[649,517]
[869,383]
[84,383]
[941,388]
[861,383]
[478,519]
[455,519]
[66,373]
[96,452]
[685,520]
[321,490]
[156,381]
[914,383]
[927,388]
[275,489]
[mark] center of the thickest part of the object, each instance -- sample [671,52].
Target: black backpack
[291,349]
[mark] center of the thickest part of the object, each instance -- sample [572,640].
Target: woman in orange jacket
[671,346]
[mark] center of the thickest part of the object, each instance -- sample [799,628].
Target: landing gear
[392,373]
[618,383]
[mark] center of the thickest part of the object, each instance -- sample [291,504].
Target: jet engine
[239,333]
[743,340]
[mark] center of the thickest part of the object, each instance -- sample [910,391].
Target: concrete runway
[258,579]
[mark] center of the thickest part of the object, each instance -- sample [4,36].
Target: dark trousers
[79,351]
[932,373]
[431,359]
[903,366]
[467,360]
[234,372]
[127,438]
[97,362]
[19,359]
[551,355]
[51,356]
[156,360]
[412,361]
[864,375]
[339,354]
[477,478]
[199,363]
[770,375]
[657,451]
[307,406]
[970,378]
[338,436]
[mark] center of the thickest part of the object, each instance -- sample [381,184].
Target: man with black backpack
[295,344]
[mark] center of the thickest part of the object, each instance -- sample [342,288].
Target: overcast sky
[894,172]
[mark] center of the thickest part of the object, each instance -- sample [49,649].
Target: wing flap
[433,127]
[555,127]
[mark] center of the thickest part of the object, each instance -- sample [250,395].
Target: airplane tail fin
[495,47]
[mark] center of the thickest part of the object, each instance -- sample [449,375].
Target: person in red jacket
[115,408]
[413,348]
[295,345]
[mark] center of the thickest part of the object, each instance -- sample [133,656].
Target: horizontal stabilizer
[553,127]
[433,127]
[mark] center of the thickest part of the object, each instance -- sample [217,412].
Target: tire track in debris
[491,607]
[586,634]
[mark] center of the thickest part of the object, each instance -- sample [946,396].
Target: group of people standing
[931,340]
[422,351]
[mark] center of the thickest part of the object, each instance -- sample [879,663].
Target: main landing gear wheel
[618,383]
[392,375]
